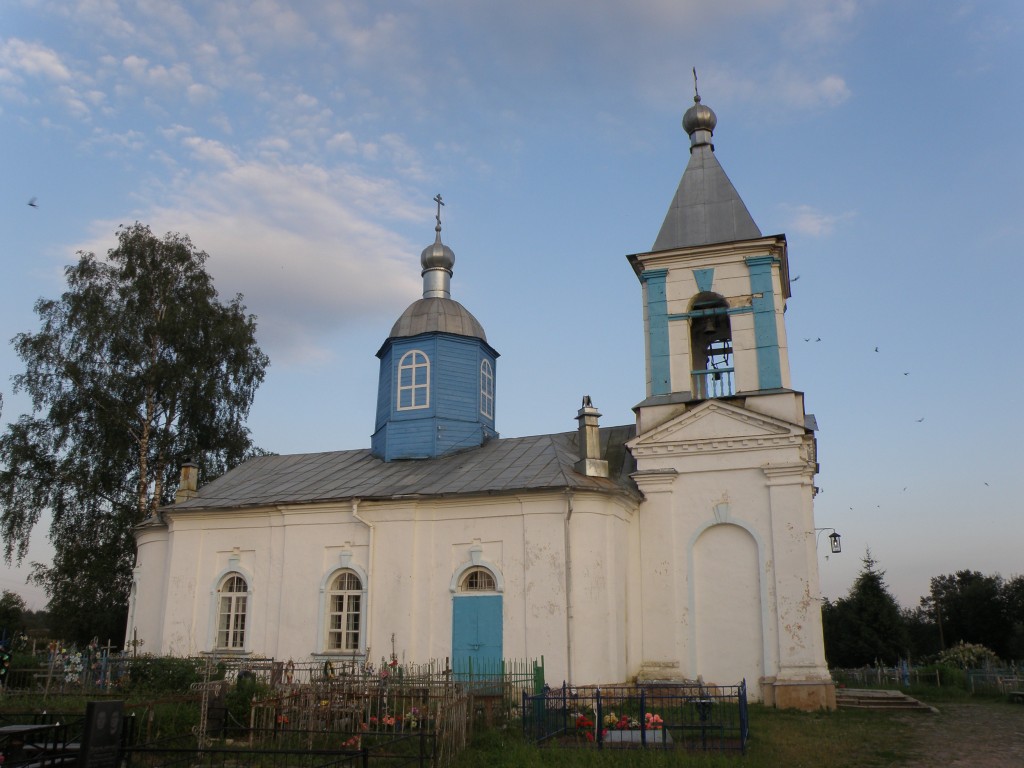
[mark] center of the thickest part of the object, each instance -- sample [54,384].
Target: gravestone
[101,740]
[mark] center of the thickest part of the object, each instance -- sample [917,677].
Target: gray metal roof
[437,314]
[707,208]
[541,462]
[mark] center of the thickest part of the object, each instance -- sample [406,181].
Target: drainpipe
[568,588]
[369,572]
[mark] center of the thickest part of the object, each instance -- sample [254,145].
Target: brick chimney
[189,483]
[590,464]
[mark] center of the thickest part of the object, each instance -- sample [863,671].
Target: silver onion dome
[438,255]
[699,122]
[437,312]
[437,261]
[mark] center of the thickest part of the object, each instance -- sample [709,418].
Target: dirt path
[988,735]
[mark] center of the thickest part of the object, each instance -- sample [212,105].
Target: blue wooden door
[476,633]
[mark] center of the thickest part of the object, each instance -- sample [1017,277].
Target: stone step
[860,698]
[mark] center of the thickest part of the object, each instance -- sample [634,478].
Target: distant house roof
[541,462]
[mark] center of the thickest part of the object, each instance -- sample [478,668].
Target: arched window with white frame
[478,579]
[232,612]
[344,613]
[487,388]
[413,381]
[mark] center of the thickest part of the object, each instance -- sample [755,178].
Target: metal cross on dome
[440,202]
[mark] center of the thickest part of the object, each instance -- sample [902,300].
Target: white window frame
[476,560]
[323,649]
[490,585]
[342,637]
[233,605]
[413,362]
[487,388]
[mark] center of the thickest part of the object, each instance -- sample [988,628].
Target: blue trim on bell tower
[658,350]
[766,335]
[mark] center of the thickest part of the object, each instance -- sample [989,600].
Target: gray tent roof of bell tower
[706,208]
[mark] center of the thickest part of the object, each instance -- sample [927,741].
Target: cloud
[806,220]
[813,23]
[198,93]
[176,76]
[305,245]
[210,151]
[344,142]
[827,90]
[33,60]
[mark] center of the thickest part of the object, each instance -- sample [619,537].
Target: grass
[842,739]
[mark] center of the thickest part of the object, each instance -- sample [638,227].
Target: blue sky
[300,144]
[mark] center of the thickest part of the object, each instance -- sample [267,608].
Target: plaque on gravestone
[101,739]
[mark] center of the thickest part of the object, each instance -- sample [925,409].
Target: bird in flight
[920,420]
[33,202]
[876,349]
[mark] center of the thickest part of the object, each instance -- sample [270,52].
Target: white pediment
[719,425]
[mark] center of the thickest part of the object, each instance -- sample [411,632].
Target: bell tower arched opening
[711,350]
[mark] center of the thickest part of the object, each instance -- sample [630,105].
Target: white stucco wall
[287,555]
[727,540]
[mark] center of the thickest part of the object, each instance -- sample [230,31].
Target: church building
[679,546]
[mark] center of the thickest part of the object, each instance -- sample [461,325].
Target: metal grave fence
[659,716]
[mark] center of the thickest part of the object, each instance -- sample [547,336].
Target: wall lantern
[834,543]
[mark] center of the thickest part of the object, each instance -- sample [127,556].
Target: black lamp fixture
[834,543]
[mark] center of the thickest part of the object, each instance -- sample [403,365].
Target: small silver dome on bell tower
[437,261]
[699,121]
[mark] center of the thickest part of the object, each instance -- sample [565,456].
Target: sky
[300,143]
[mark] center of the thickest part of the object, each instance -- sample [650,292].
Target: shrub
[163,674]
[239,699]
[967,656]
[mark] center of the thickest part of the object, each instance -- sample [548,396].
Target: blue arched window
[487,389]
[413,381]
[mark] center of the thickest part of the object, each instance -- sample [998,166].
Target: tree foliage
[12,611]
[970,607]
[866,626]
[966,609]
[135,369]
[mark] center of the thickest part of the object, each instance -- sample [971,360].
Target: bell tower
[725,453]
[714,290]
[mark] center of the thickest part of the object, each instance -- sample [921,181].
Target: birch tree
[135,369]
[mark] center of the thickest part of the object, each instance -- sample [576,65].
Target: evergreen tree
[866,626]
[136,368]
